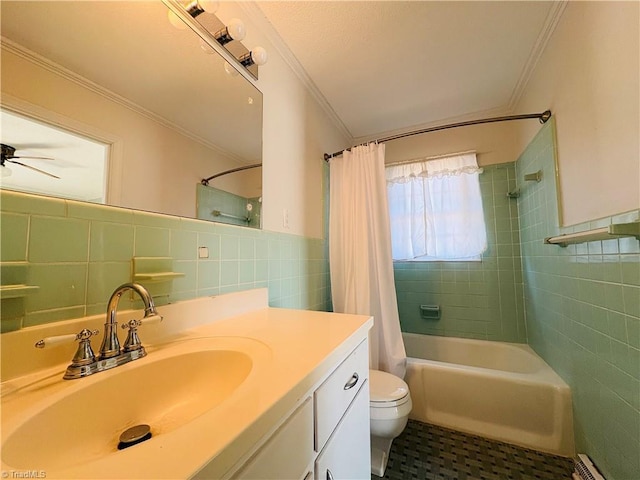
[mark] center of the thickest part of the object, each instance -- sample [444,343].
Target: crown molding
[553,17]
[253,11]
[255,14]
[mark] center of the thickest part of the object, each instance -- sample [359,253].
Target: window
[80,163]
[435,209]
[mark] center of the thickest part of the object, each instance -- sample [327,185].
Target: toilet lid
[384,387]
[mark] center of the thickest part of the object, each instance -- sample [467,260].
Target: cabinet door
[288,453]
[337,392]
[347,454]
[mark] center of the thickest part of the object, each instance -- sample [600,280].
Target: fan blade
[34,168]
[31,157]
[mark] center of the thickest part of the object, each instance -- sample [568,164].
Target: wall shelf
[156,277]
[16,291]
[156,270]
[615,230]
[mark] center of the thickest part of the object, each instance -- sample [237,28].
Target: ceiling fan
[8,155]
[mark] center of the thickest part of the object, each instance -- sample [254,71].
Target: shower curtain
[360,251]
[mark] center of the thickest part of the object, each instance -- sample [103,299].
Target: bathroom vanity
[230,388]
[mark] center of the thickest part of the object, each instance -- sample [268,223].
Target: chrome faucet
[84,362]
[110,344]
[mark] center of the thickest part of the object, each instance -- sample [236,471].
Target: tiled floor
[430,452]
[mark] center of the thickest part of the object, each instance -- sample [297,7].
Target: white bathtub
[497,390]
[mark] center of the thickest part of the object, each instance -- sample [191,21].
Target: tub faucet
[110,344]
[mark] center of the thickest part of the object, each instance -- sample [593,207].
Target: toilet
[389,407]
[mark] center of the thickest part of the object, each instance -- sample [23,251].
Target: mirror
[118,74]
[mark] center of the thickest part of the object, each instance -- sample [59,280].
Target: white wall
[588,76]
[492,142]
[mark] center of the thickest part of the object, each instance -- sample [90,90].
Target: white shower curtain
[360,251]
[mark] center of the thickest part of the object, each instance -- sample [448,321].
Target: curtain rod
[542,117]
[205,181]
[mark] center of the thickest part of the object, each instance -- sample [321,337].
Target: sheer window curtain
[360,252]
[436,209]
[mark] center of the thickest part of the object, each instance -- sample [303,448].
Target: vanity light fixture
[194,8]
[257,56]
[235,30]
[223,34]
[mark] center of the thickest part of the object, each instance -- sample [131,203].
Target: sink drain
[134,435]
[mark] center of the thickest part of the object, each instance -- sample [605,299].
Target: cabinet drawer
[288,453]
[347,454]
[333,397]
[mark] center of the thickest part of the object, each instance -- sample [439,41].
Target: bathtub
[497,390]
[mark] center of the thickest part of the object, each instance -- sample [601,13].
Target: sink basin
[163,390]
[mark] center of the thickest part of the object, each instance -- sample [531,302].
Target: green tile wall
[583,316]
[78,253]
[209,199]
[483,299]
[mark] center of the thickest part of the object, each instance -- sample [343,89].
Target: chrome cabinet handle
[352,381]
[329,476]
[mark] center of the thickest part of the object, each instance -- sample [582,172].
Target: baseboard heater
[586,470]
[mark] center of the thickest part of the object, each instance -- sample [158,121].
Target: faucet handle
[84,334]
[143,321]
[84,356]
[133,340]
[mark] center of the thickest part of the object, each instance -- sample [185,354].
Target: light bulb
[236,29]
[257,56]
[176,21]
[196,7]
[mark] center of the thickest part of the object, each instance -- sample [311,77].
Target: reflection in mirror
[120,75]
[76,168]
[239,203]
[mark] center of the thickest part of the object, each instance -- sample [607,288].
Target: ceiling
[384,67]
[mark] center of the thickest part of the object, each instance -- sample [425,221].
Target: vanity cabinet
[289,451]
[347,454]
[327,436]
[283,394]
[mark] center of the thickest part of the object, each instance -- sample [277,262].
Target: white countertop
[299,348]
